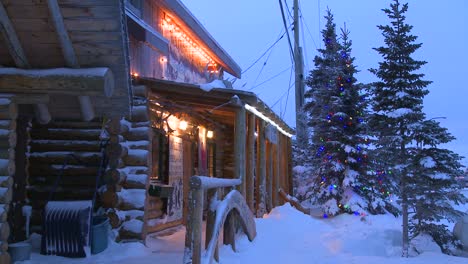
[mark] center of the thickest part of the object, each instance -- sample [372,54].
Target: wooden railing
[227,213]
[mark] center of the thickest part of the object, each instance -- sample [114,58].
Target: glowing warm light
[183,125]
[134,74]
[187,43]
[266,119]
[209,134]
[163,59]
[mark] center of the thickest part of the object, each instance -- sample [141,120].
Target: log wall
[8,115]
[49,147]
[131,169]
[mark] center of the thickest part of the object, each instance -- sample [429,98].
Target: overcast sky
[246,28]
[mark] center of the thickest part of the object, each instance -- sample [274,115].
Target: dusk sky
[246,28]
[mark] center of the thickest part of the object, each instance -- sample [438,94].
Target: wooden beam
[89,81]
[42,113]
[64,39]
[261,166]
[250,162]
[31,99]
[277,164]
[239,147]
[87,108]
[13,44]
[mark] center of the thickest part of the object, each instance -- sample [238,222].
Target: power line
[281,97]
[264,64]
[308,30]
[286,28]
[263,54]
[269,79]
[287,99]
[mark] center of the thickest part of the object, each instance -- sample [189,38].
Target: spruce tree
[333,105]
[432,185]
[399,124]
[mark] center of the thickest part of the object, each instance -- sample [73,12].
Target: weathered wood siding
[98,34]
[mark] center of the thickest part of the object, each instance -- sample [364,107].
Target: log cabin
[147,77]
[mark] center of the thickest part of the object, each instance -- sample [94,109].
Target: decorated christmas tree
[335,108]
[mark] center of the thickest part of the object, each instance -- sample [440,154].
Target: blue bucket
[99,234]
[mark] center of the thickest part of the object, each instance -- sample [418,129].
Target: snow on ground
[284,236]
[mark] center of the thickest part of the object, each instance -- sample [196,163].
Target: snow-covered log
[91,81]
[136,157]
[140,113]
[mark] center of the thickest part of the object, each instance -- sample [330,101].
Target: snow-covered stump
[460,230]
[232,208]
[8,115]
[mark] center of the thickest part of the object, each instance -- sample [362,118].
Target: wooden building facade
[75,72]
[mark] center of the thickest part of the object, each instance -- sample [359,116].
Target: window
[160,156]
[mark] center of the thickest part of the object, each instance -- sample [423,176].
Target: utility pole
[301,129]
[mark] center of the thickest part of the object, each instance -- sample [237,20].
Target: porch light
[183,125]
[210,134]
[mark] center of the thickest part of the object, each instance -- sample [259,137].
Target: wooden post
[212,195]
[193,236]
[262,170]
[250,162]
[277,164]
[270,176]
[289,178]
[239,147]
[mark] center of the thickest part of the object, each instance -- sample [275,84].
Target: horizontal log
[8,124]
[41,193]
[82,158]
[6,181]
[65,134]
[129,233]
[114,218]
[139,113]
[64,145]
[136,134]
[133,199]
[7,139]
[75,125]
[136,157]
[8,154]
[53,170]
[3,250]
[5,195]
[9,111]
[31,99]
[3,213]
[114,176]
[7,167]
[135,181]
[91,81]
[109,199]
[82,181]
[140,90]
